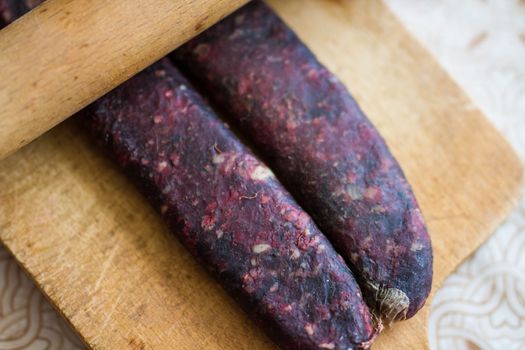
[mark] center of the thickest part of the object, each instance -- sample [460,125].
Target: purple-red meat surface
[323,148]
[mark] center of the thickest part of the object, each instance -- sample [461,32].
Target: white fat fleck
[274,287]
[320,248]
[340,190]
[371,192]
[315,240]
[218,158]
[261,173]
[309,328]
[368,240]
[333,79]
[239,19]
[253,261]
[354,192]
[378,209]
[260,248]
[295,254]
[288,307]
[219,233]
[327,345]
[162,165]
[207,225]
[236,33]
[416,246]
[307,232]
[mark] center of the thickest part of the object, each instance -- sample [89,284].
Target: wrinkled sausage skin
[323,148]
[231,213]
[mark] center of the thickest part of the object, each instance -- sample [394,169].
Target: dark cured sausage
[228,209]
[10,10]
[323,148]
[231,213]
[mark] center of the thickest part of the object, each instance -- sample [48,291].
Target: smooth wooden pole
[66,53]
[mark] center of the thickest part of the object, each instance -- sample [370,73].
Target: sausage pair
[234,216]
[229,210]
[323,148]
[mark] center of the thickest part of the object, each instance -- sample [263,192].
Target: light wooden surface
[66,53]
[105,260]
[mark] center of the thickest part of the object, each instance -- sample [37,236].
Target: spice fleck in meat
[324,149]
[232,214]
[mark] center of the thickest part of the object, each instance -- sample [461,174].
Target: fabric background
[481,43]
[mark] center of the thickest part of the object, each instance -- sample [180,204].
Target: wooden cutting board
[104,259]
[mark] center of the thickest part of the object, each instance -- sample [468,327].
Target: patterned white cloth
[481,306]
[27,319]
[481,43]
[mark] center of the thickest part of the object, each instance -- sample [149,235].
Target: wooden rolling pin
[66,53]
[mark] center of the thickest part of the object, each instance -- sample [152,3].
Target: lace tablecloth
[482,306]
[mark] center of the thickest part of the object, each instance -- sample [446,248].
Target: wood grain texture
[105,260]
[67,53]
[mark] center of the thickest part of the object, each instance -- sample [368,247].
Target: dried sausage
[228,209]
[231,213]
[323,148]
